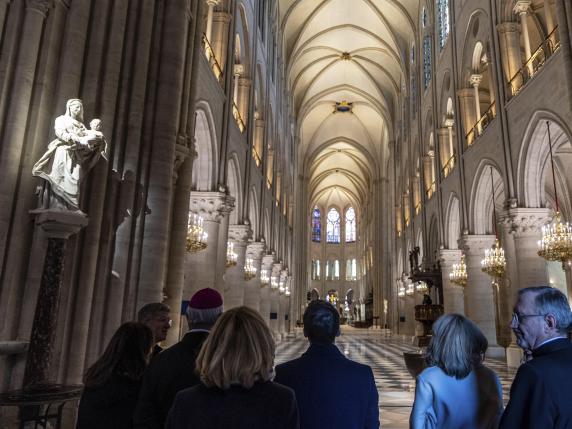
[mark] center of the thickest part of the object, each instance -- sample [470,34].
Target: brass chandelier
[264,278]
[556,243]
[249,269]
[231,257]
[459,274]
[196,236]
[494,263]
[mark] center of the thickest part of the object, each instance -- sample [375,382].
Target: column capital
[212,206]
[527,221]
[238,69]
[239,234]
[448,257]
[521,7]
[449,122]
[255,250]
[60,223]
[476,79]
[474,245]
[213,3]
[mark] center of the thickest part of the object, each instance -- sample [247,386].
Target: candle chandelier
[281,286]
[196,236]
[556,243]
[264,278]
[459,273]
[421,287]
[410,289]
[401,291]
[249,269]
[274,282]
[231,257]
[494,263]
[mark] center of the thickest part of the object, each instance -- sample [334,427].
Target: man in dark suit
[332,391]
[538,398]
[174,369]
[156,316]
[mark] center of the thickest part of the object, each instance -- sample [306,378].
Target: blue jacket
[442,401]
[332,391]
[540,393]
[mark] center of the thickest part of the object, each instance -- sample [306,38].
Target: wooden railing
[256,157]
[238,117]
[417,208]
[431,189]
[448,167]
[481,125]
[215,66]
[548,47]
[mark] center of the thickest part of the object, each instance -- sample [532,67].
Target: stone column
[475,81]
[200,267]
[444,149]
[235,284]
[252,295]
[509,39]
[428,174]
[209,29]
[521,9]
[219,43]
[238,70]
[453,295]
[281,303]
[267,263]
[549,18]
[274,298]
[259,125]
[479,297]
[57,226]
[244,85]
[568,272]
[467,105]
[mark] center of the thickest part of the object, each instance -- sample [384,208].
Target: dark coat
[539,396]
[169,372]
[332,391]
[110,405]
[265,406]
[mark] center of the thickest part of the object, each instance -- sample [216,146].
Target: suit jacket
[266,405]
[110,405]
[539,396]
[332,391]
[444,402]
[169,372]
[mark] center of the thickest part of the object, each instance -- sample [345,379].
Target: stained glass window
[426,61]
[350,225]
[333,227]
[443,21]
[316,225]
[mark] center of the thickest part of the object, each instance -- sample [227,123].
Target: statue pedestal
[56,226]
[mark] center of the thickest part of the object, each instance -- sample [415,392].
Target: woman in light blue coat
[456,391]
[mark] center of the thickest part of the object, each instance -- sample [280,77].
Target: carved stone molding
[449,257]
[474,245]
[521,7]
[212,206]
[255,250]
[239,234]
[508,27]
[527,221]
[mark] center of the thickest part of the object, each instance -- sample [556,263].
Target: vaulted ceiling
[354,51]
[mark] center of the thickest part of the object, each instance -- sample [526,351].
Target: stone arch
[235,189]
[534,180]
[206,163]
[453,222]
[481,206]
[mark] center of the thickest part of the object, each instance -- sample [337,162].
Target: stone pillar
[281,303]
[453,295]
[283,312]
[521,9]
[444,149]
[549,18]
[479,297]
[238,70]
[265,308]
[450,123]
[252,295]
[475,81]
[200,267]
[219,43]
[244,85]
[235,284]
[221,251]
[568,272]
[509,39]
[526,226]
[57,226]
[259,125]
[428,174]
[274,298]
[467,105]
[209,29]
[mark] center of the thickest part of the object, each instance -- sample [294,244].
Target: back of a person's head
[549,300]
[127,354]
[321,322]
[457,345]
[204,308]
[151,310]
[238,351]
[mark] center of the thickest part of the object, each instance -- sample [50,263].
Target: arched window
[318,274]
[328,271]
[350,225]
[348,270]
[333,227]
[426,61]
[354,269]
[336,270]
[316,225]
[443,21]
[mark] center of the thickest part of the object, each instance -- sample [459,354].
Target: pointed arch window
[443,21]
[350,225]
[336,270]
[426,61]
[333,227]
[318,270]
[316,225]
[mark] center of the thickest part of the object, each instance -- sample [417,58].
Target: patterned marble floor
[385,355]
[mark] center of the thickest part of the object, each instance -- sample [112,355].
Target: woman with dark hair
[236,366]
[456,391]
[112,382]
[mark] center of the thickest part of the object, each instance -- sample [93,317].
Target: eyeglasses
[518,318]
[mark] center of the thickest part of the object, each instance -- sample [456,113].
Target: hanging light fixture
[274,282]
[556,243]
[401,291]
[459,273]
[196,236]
[410,289]
[494,263]
[281,287]
[231,257]
[264,278]
[249,269]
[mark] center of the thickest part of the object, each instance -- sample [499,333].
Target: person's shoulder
[278,389]
[431,373]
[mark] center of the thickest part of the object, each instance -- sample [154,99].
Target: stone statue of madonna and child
[69,157]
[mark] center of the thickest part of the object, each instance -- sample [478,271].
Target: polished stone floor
[385,355]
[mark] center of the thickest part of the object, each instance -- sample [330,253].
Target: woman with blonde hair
[236,366]
[456,391]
